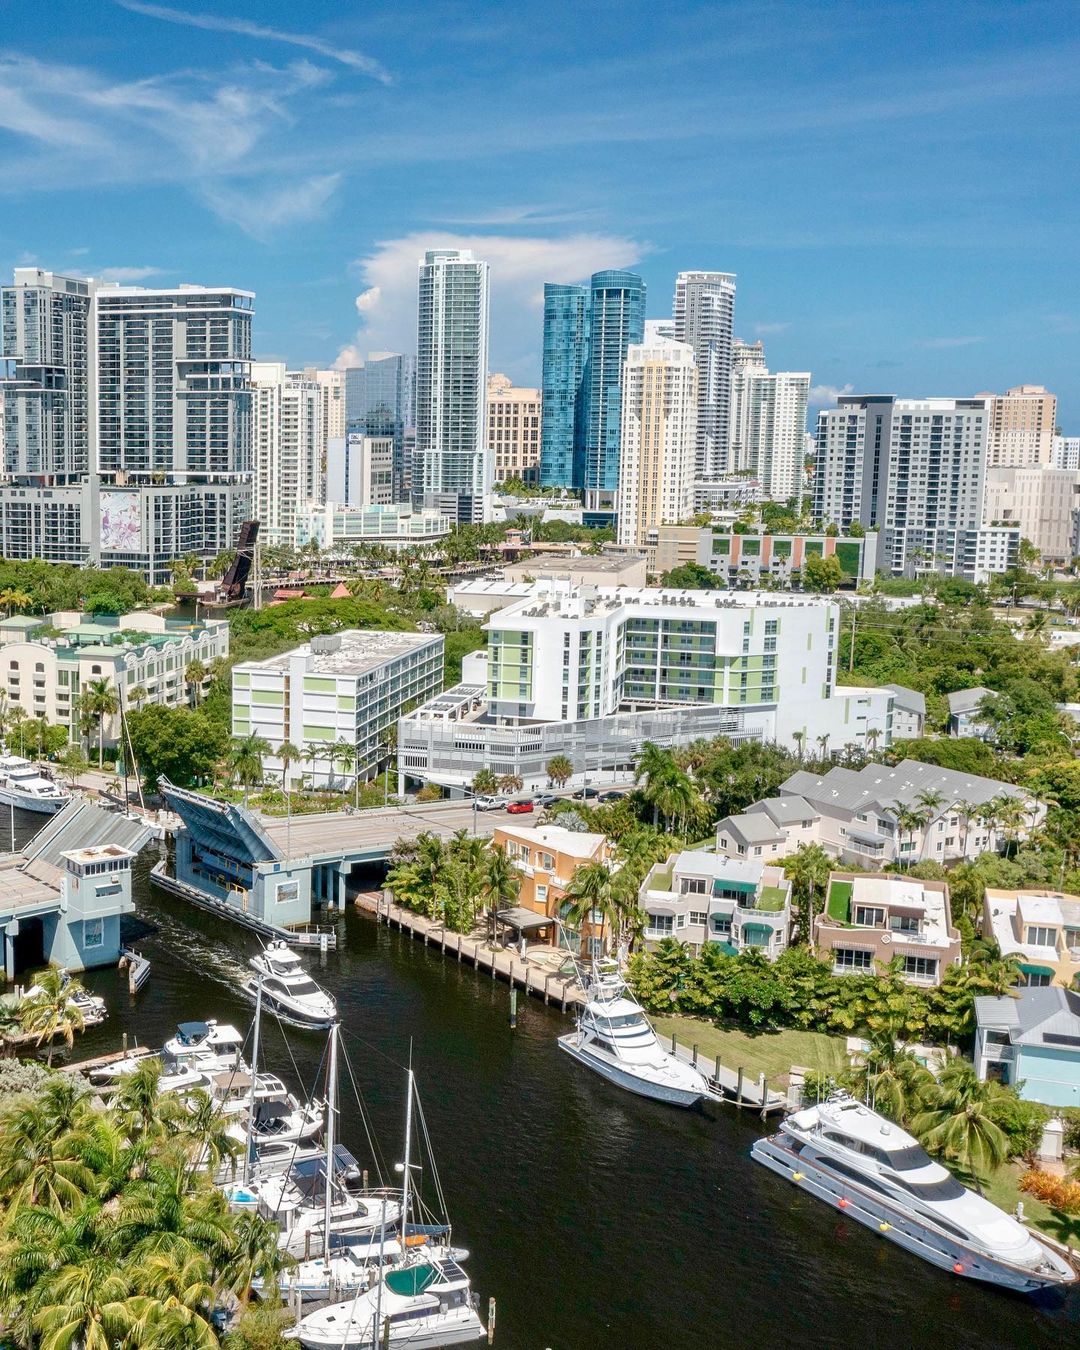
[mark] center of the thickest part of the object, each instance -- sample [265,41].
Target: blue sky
[896,184]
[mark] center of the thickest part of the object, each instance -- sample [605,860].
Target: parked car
[522,807]
[611,796]
[545,799]
[490,803]
[586,794]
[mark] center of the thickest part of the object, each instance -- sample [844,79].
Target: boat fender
[884,1227]
[958,1268]
[844,1202]
[797,1176]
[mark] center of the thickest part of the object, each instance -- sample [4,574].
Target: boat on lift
[615,1039]
[288,990]
[92,1008]
[872,1171]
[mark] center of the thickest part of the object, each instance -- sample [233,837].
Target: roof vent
[325,645]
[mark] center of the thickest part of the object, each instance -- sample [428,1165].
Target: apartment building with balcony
[547,857]
[1031,1042]
[47,661]
[870,920]
[1041,929]
[700,897]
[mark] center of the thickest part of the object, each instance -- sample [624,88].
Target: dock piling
[513,1007]
[738,1091]
[764,1095]
[694,1060]
[491,1321]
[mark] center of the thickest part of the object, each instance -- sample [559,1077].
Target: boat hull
[42,806]
[621,1077]
[892,1223]
[417,1333]
[286,1012]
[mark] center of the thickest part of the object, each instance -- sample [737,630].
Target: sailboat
[424,1301]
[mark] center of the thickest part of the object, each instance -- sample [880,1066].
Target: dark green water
[598,1221]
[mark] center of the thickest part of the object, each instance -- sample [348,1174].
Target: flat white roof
[357,651]
[574,843]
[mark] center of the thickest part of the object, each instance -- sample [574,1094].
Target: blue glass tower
[616,319]
[566,344]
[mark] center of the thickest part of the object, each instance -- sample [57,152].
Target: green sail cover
[412,1280]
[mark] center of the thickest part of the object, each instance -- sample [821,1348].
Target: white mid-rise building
[289,446]
[1066,452]
[704,318]
[453,470]
[1039,501]
[360,470]
[768,423]
[593,672]
[340,529]
[332,384]
[657,439]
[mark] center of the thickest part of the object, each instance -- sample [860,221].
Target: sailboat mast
[408,1154]
[254,1071]
[331,1112]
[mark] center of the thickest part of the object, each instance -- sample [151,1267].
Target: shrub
[1057,1192]
[1021,1121]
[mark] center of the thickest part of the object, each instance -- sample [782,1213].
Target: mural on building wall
[121,522]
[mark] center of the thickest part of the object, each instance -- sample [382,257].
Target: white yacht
[93,1008]
[876,1173]
[298,1202]
[616,1040]
[427,1304]
[22,784]
[213,1046]
[289,990]
[355,1263]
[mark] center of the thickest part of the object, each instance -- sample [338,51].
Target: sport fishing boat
[212,1046]
[425,1304]
[289,990]
[615,1039]
[22,784]
[876,1173]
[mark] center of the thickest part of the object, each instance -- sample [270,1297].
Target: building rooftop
[967,700]
[925,901]
[1047,1016]
[613,564]
[879,785]
[574,843]
[755,827]
[908,700]
[352,652]
[98,853]
[553,596]
[699,863]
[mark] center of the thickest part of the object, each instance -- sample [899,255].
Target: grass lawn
[1004,1190]
[772,898]
[770,1052]
[839,905]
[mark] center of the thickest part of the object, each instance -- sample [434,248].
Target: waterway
[595,1219]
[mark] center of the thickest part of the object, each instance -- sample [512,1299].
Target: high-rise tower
[704,313]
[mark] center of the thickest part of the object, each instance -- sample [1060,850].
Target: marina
[529,1144]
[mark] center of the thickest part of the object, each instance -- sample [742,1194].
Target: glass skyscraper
[587,331]
[380,400]
[566,345]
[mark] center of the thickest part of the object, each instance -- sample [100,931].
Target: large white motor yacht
[24,785]
[616,1040]
[211,1046]
[427,1304]
[873,1171]
[289,990]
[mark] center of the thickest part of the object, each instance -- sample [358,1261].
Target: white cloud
[828,393]
[943,343]
[519,267]
[349,356]
[261,213]
[763,329]
[245,28]
[126,276]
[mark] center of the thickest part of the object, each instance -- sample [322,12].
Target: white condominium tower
[704,314]
[289,447]
[768,422]
[914,469]
[127,423]
[658,438]
[455,473]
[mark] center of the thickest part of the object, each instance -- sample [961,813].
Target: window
[693,886]
[681,921]
[869,916]
[661,923]
[721,923]
[596,948]
[920,967]
[1042,937]
[1038,980]
[697,918]
[93,933]
[849,958]
[541,895]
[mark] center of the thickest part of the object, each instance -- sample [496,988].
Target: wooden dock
[731,1085]
[114,1057]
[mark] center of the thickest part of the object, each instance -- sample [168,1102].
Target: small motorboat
[288,990]
[22,784]
[215,1046]
[92,1008]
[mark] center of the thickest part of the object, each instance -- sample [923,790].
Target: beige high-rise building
[1022,425]
[513,430]
[289,448]
[1040,500]
[658,439]
[332,384]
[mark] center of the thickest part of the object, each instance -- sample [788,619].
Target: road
[368,836]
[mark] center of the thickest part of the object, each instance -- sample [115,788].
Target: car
[611,796]
[545,799]
[522,807]
[586,794]
[489,803]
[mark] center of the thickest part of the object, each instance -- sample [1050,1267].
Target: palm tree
[501,881]
[823,744]
[908,820]
[12,598]
[51,1012]
[203,1124]
[246,760]
[593,895]
[253,1253]
[657,768]
[313,752]
[808,871]
[100,700]
[890,1078]
[195,675]
[799,738]
[559,770]
[289,754]
[347,758]
[511,782]
[873,735]
[956,1122]
[967,811]
[484,783]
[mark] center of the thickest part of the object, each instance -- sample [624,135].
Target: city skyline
[249,148]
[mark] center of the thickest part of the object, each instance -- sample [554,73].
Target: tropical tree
[485,783]
[909,821]
[594,896]
[346,757]
[808,870]
[195,674]
[655,770]
[313,752]
[289,755]
[12,599]
[510,783]
[501,882]
[559,770]
[50,1012]
[890,1078]
[957,1123]
[99,701]
[72,763]
[246,755]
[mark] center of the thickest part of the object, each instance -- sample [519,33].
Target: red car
[521,808]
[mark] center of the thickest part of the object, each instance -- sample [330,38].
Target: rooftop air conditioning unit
[325,645]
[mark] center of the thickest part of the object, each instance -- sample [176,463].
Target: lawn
[772,898]
[770,1052]
[1004,1190]
[839,905]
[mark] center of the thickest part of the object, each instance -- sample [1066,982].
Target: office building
[48,660]
[127,421]
[697,897]
[1066,453]
[1023,422]
[349,686]
[914,469]
[616,320]
[658,439]
[453,467]
[513,430]
[593,672]
[289,448]
[360,470]
[869,921]
[566,346]
[750,559]
[767,424]
[704,314]
[380,400]
[1038,500]
[342,528]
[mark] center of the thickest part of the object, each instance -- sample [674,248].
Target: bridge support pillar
[339,877]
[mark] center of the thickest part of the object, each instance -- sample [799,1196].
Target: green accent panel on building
[721,545]
[241,726]
[815,548]
[847,555]
[241,681]
[268,697]
[346,702]
[751,548]
[318,734]
[781,548]
[314,685]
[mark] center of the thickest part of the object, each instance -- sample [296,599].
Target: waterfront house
[1033,1043]
[869,920]
[1040,928]
[700,897]
[547,856]
[772,828]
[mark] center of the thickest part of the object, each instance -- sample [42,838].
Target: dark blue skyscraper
[566,345]
[616,318]
[380,400]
